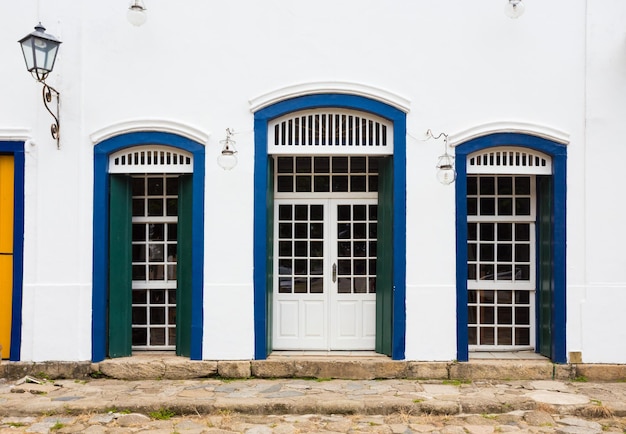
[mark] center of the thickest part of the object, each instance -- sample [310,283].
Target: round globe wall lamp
[514,8]
[136,13]
[445,164]
[228,158]
[40,51]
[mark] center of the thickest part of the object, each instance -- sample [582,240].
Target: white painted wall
[459,64]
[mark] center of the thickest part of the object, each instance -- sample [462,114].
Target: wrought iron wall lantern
[445,164]
[40,51]
[227,158]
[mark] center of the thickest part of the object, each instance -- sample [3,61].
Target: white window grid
[509,160]
[496,241]
[324,131]
[155,219]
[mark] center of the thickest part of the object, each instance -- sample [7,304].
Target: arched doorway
[321,288]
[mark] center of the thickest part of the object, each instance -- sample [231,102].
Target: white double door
[324,292]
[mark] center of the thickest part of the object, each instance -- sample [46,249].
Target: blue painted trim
[558,152]
[261,118]
[17,149]
[101,234]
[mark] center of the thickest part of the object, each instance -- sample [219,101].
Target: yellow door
[6,252]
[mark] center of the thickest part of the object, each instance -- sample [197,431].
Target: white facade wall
[460,66]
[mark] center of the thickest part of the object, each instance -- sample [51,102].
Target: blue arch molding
[16,148]
[101,232]
[261,119]
[558,152]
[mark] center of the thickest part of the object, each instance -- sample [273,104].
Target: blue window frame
[558,152]
[101,233]
[262,197]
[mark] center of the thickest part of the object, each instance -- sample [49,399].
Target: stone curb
[174,368]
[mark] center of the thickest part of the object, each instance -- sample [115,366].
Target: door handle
[334,273]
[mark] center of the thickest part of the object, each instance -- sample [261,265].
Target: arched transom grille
[151,159]
[509,160]
[328,131]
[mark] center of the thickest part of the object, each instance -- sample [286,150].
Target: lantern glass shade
[40,51]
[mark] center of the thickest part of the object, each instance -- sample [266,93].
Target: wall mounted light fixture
[227,158]
[136,13]
[514,8]
[445,164]
[40,51]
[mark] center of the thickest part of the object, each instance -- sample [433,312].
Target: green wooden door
[545,278]
[183,267]
[120,266]
[384,261]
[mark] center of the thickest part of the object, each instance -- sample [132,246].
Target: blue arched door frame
[558,152]
[261,248]
[16,148]
[101,233]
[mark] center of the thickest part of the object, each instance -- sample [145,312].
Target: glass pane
[321,183]
[139,232]
[522,253]
[344,249]
[301,212]
[138,186]
[360,212]
[471,335]
[472,206]
[140,296]
[140,316]
[471,272]
[360,230]
[139,272]
[172,206]
[487,315]
[372,267]
[155,252]
[486,231]
[303,165]
[301,248]
[301,230]
[505,186]
[285,212]
[139,253]
[301,267]
[140,336]
[317,286]
[358,164]
[505,315]
[284,230]
[360,248]
[300,285]
[317,249]
[505,272]
[303,184]
[505,232]
[284,285]
[373,246]
[171,186]
[522,315]
[373,230]
[171,296]
[340,164]
[522,336]
[156,232]
[360,267]
[522,206]
[487,206]
[472,185]
[344,285]
[157,315]
[522,185]
[522,272]
[155,186]
[157,336]
[322,164]
[486,272]
[317,267]
[317,212]
[373,183]
[343,230]
[505,297]
[505,336]
[472,296]
[358,183]
[284,267]
[522,297]
[487,185]
[157,296]
[505,206]
[284,248]
[505,253]
[360,285]
[344,213]
[487,297]
[486,252]
[486,336]
[344,267]
[471,231]
[340,184]
[172,335]
[284,184]
[317,230]
[138,208]
[172,234]
[285,165]
[372,285]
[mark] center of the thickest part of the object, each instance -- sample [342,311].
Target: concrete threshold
[321,366]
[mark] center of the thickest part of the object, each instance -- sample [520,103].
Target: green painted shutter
[384,261]
[545,278]
[120,266]
[269,285]
[183,266]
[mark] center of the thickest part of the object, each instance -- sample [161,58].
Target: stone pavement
[290,405]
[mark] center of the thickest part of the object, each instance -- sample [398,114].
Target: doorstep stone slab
[600,372]
[502,370]
[234,369]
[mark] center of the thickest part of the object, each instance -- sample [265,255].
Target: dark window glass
[285,165]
